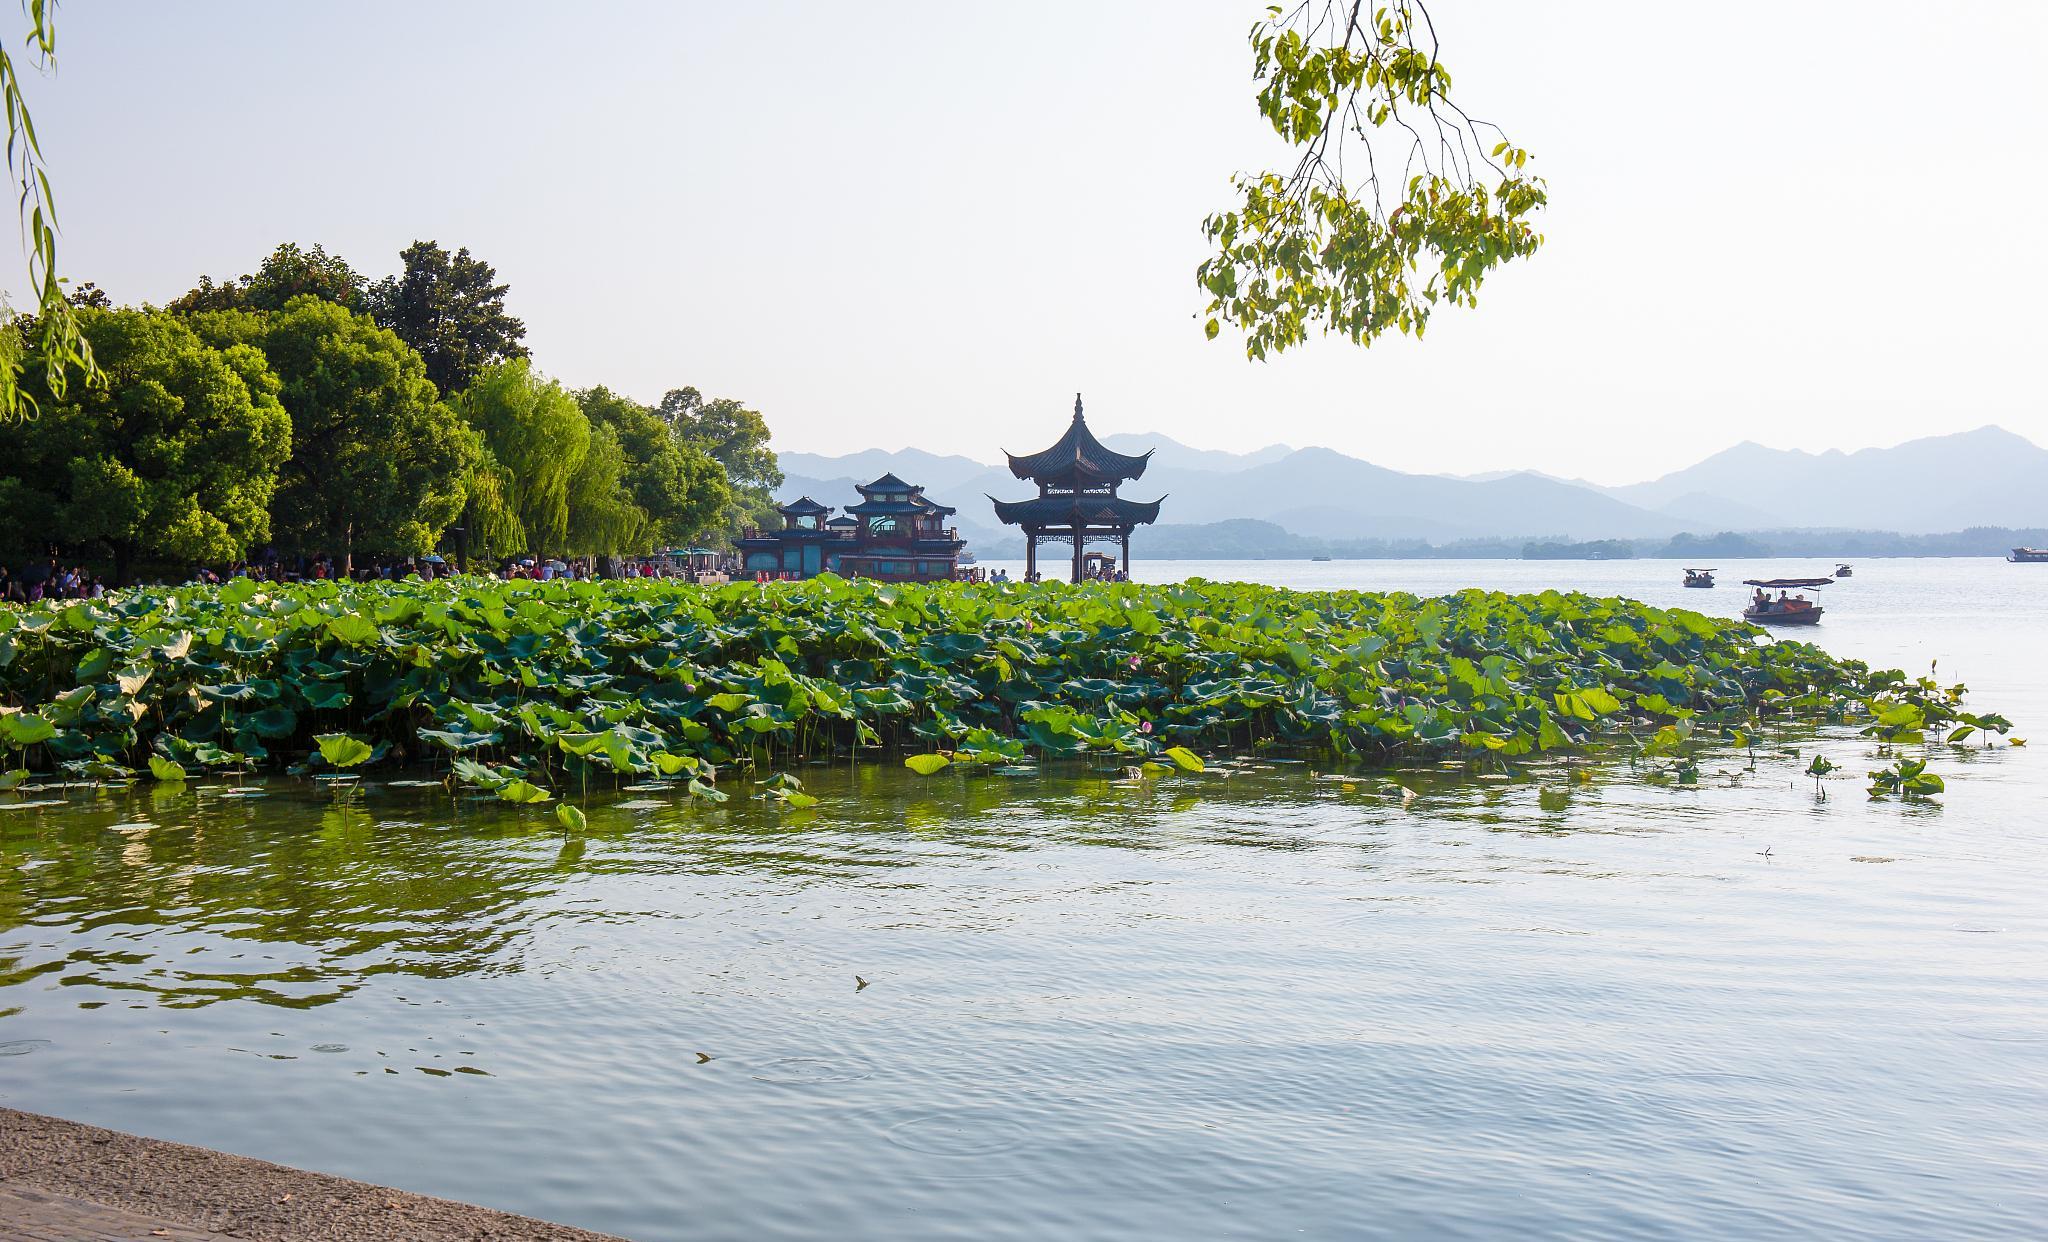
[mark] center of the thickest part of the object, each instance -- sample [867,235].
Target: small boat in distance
[1845,571]
[2024,556]
[1319,558]
[1699,577]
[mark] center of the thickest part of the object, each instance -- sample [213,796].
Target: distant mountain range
[1986,477]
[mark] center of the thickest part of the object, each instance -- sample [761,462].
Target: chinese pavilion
[894,533]
[1077,502]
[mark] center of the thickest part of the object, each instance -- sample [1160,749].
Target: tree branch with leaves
[57,340]
[1399,202]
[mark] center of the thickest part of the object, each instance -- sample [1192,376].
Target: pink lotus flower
[1144,726]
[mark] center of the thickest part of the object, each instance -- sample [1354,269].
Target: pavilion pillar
[1078,544]
[1030,553]
[1126,565]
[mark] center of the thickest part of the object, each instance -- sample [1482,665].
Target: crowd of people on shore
[42,578]
[47,579]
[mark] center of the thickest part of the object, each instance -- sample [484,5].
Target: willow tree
[1397,202]
[57,342]
[538,438]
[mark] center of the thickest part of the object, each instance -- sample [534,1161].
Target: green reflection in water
[186,895]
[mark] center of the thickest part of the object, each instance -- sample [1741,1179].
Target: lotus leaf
[342,750]
[522,791]
[572,679]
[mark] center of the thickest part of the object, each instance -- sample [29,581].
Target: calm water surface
[1252,1006]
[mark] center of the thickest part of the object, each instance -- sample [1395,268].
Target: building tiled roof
[887,483]
[883,508]
[1084,510]
[1077,455]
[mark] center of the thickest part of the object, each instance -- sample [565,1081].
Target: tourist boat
[1802,614]
[1319,558]
[1844,571]
[1794,612]
[2029,556]
[1699,577]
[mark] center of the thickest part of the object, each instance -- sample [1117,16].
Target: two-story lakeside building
[895,533]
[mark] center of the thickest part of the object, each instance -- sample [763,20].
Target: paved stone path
[61,1181]
[36,1216]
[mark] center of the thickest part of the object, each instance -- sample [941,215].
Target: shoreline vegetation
[534,691]
[307,413]
[1254,539]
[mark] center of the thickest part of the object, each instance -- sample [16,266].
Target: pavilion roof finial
[1077,407]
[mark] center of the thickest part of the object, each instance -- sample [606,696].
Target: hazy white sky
[1813,224]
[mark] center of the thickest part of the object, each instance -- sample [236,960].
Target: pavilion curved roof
[1077,454]
[899,508]
[1083,510]
[887,483]
[803,506]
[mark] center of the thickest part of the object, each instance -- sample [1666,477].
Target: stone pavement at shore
[61,1181]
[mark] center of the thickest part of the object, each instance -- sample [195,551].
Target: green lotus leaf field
[528,686]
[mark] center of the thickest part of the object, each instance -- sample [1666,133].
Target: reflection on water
[1266,1001]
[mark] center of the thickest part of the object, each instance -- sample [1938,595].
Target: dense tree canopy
[678,486]
[377,462]
[383,462]
[175,456]
[451,308]
[288,272]
[736,437]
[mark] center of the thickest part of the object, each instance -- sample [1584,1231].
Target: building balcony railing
[850,536]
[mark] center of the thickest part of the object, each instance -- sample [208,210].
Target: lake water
[1267,1005]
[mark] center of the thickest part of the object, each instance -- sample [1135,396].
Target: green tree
[451,309]
[487,512]
[1361,94]
[602,515]
[378,462]
[175,456]
[736,437]
[680,488]
[538,438]
[288,272]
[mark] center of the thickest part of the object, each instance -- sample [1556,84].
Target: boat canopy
[1782,584]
